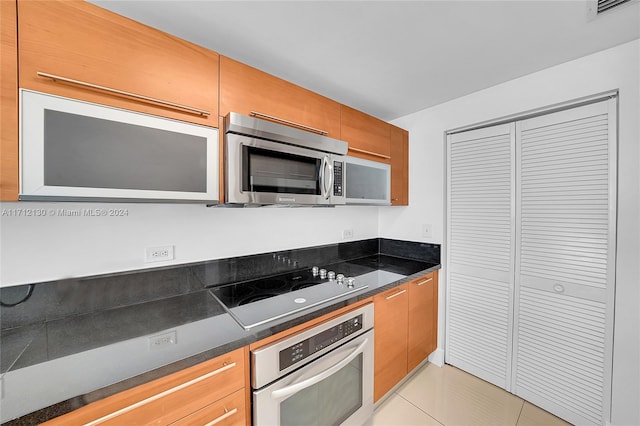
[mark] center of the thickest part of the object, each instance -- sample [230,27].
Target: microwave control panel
[337,182]
[305,348]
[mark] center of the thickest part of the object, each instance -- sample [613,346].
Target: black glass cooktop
[252,291]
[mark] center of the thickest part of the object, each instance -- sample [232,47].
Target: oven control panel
[307,347]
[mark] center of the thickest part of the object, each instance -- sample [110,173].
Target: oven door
[335,389]
[266,172]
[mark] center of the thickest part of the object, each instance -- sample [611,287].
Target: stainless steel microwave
[73,150]
[270,163]
[367,182]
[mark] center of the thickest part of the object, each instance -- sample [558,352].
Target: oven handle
[290,390]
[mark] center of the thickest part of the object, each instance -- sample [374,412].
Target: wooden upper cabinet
[83,42]
[244,90]
[399,167]
[390,343]
[368,137]
[423,319]
[9,103]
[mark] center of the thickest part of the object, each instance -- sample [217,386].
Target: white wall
[35,249]
[616,68]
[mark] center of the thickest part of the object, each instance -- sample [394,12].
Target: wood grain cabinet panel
[399,167]
[9,103]
[80,41]
[367,136]
[423,319]
[244,89]
[390,337]
[229,411]
[171,398]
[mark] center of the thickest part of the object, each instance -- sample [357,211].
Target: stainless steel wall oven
[322,376]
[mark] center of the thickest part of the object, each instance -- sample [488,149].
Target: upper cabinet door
[247,90]
[136,67]
[399,167]
[9,111]
[367,136]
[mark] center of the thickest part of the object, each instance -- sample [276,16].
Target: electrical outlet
[158,254]
[161,341]
[426,230]
[347,233]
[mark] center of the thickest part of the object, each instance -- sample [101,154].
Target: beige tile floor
[450,397]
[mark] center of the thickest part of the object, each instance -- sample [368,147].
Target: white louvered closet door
[480,252]
[565,261]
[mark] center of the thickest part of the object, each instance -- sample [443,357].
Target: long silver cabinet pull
[289,123]
[375,154]
[122,92]
[425,281]
[160,395]
[395,294]
[227,414]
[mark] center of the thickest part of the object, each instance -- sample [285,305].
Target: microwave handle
[290,390]
[326,189]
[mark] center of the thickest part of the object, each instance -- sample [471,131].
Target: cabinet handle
[425,281]
[128,408]
[122,92]
[395,294]
[226,414]
[375,154]
[289,123]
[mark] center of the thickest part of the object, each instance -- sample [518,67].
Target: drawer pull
[425,281]
[289,123]
[161,395]
[122,92]
[226,415]
[375,154]
[395,294]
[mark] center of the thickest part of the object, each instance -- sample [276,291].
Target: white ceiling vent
[597,7]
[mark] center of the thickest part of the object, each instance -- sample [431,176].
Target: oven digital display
[303,349]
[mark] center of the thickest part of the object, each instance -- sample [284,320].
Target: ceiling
[392,58]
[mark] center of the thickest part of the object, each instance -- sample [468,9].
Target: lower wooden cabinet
[229,411]
[423,319]
[213,390]
[391,320]
[406,323]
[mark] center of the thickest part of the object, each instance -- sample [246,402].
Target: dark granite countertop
[83,341]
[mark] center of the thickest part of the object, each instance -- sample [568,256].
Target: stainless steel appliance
[75,150]
[322,376]
[271,163]
[367,182]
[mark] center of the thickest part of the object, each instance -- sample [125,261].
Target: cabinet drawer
[229,411]
[244,89]
[80,41]
[167,399]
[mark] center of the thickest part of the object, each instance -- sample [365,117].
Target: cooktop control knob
[331,275]
[314,271]
[323,273]
[351,282]
[340,278]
